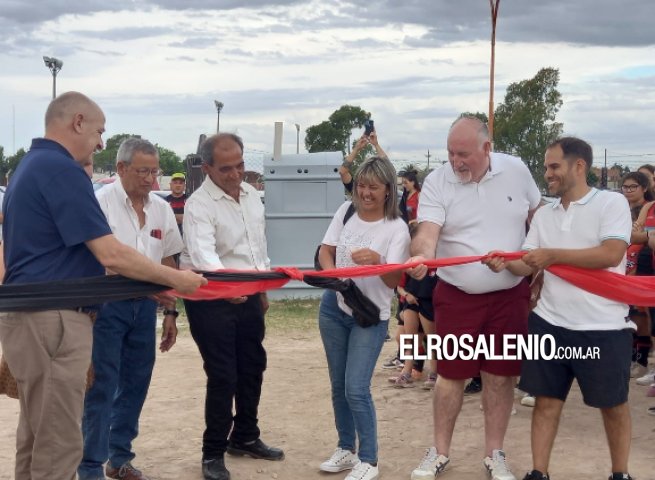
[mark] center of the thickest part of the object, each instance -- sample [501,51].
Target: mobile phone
[368,127]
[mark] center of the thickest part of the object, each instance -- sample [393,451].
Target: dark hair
[207,147]
[574,148]
[642,181]
[412,176]
[648,167]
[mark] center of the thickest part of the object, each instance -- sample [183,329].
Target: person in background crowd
[344,169]
[649,171]
[635,187]
[410,197]
[177,197]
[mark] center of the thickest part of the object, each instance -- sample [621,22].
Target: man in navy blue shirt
[54,229]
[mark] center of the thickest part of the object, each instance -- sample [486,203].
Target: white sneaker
[432,465]
[528,400]
[339,461]
[637,370]
[647,379]
[363,471]
[496,466]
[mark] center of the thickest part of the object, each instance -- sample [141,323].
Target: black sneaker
[474,386]
[536,475]
[620,476]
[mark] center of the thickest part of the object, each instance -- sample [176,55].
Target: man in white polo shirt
[124,332]
[481,201]
[585,228]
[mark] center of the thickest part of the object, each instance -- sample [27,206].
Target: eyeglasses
[629,188]
[145,171]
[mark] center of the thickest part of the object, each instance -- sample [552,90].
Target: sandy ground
[296,415]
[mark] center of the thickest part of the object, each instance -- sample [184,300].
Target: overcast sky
[156,67]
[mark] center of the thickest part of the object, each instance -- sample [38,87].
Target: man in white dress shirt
[224,229]
[124,333]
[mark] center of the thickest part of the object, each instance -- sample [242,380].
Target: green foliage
[10,163]
[106,160]
[333,134]
[169,162]
[592,179]
[524,124]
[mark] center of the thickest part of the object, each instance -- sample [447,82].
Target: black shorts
[424,308]
[604,380]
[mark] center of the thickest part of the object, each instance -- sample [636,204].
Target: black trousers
[229,338]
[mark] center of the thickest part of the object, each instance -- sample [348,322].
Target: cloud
[125,33]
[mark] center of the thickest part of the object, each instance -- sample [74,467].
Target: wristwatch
[175,313]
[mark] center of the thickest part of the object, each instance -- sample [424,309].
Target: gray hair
[208,146]
[131,145]
[379,169]
[482,128]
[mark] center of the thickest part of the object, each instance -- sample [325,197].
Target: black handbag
[365,312]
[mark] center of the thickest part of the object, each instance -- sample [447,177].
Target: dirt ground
[296,415]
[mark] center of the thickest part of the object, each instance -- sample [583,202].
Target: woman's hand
[365,256]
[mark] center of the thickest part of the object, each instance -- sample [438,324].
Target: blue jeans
[351,355]
[123,357]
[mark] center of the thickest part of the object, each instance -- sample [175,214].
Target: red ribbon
[621,288]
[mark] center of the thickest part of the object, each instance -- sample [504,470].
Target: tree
[169,162]
[106,160]
[333,134]
[13,160]
[592,178]
[525,122]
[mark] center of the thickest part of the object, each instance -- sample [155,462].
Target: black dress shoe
[214,469]
[256,449]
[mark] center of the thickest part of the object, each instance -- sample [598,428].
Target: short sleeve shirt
[476,218]
[388,238]
[586,223]
[50,211]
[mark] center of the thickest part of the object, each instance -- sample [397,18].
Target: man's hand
[495,263]
[168,301]
[365,256]
[419,272]
[373,139]
[168,333]
[540,258]
[187,281]
[411,299]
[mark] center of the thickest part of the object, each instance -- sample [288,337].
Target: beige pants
[48,353]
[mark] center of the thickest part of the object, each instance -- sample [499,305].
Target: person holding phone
[369,137]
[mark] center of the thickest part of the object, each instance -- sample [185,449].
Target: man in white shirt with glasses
[124,333]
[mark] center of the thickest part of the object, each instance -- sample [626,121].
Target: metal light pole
[219,107]
[494,4]
[297,137]
[54,64]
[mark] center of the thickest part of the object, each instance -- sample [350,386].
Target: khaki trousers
[48,353]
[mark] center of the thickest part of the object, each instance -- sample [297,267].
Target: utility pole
[297,138]
[428,157]
[494,4]
[603,173]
